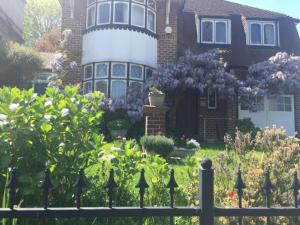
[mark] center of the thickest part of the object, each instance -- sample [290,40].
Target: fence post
[206,191]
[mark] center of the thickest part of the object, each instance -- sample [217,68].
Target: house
[121,42]
[11,20]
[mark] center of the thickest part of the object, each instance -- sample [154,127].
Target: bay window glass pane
[136,86]
[104,13]
[101,70]
[136,72]
[88,72]
[152,4]
[151,21]
[119,70]
[101,86]
[207,31]
[91,16]
[87,87]
[269,34]
[149,73]
[118,88]
[121,13]
[140,1]
[221,34]
[255,33]
[91,1]
[138,15]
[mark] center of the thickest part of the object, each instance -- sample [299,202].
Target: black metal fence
[206,210]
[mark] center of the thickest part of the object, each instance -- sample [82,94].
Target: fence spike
[46,186]
[239,186]
[111,184]
[79,184]
[142,185]
[12,185]
[295,186]
[267,187]
[172,184]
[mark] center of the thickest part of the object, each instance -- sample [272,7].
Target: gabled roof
[224,8]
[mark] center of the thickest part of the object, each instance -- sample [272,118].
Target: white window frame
[105,63]
[284,104]
[115,63]
[150,10]
[114,12]
[214,22]
[134,78]
[87,16]
[208,100]
[144,16]
[102,80]
[262,34]
[85,82]
[98,14]
[90,2]
[84,72]
[150,6]
[256,102]
[111,84]
[144,1]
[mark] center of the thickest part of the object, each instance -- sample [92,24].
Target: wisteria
[278,75]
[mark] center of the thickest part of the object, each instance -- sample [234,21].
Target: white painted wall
[266,118]
[14,9]
[119,45]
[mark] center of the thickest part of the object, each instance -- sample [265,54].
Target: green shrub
[158,144]
[119,124]
[247,126]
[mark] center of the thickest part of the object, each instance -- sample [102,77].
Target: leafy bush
[246,126]
[119,124]
[240,143]
[158,144]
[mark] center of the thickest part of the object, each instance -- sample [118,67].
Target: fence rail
[206,210]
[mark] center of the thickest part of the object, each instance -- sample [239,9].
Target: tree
[18,64]
[41,16]
[49,42]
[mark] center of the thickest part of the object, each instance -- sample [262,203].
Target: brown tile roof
[225,8]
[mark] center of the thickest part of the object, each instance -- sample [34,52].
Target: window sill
[263,47]
[214,44]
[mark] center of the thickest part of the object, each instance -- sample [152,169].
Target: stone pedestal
[155,119]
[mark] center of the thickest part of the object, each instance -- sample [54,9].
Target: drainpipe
[168,28]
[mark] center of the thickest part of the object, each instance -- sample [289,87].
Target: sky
[288,7]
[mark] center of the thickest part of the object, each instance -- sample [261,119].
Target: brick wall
[155,119]
[76,24]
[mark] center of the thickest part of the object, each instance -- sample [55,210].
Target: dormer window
[215,31]
[262,33]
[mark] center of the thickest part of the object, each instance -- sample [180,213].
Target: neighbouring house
[12,19]
[120,43]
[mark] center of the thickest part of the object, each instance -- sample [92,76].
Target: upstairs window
[215,31]
[151,20]
[138,15]
[103,13]
[212,100]
[152,4]
[91,16]
[281,103]
[262,33]
[121,13]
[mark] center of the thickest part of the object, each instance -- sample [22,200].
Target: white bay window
[103,13]
[151,20]
[121,12]
[138,15]
[91,16]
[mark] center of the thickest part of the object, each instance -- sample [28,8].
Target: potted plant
[156,97]
[118,127]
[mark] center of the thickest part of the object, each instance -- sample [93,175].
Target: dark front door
[187,114]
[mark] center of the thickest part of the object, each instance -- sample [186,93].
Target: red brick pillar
[155,119]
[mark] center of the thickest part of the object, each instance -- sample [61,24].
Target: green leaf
[46,127]
[5,161]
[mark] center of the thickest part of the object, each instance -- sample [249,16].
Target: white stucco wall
[119,45]
[267,118]
[14,10]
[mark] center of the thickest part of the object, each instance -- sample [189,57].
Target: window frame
[148,5]
[84,72]
[262,32]
[134,78]
[85,82]
[284,104]
[214,30]
[144,15]
[118,80]
[87,16]
[113,76]
[101,63]
[102,80]
[147,26]
[98,14]
[114,12]
[208,100]
[136,81]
